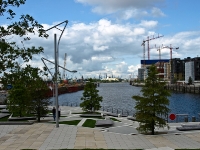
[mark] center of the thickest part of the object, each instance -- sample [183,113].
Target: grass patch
[27,115]
[4,119]
[73,122]
[114,119]
[93,117]
[89,123]
[87,112]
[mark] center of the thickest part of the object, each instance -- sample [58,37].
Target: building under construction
[173,70]
[145,64]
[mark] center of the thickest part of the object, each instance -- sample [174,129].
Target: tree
[18,102]
[152,107]
[19,98]
[40,99]
[29,92]
[91,99]
[11,52]
[190,80]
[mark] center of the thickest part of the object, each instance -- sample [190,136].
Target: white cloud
[103,46]
[132,13]
[100,48]
[149,24]
[156,12]
[111,6]
[133,69]
[126,9]
[138,31]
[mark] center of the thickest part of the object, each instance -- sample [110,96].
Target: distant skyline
[106,36]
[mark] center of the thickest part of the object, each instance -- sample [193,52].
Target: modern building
[189,71]
[177,69]
[145,64]
[153,61]
[196,68]
[173,70]
[167,70]
[192,69]
[141,74]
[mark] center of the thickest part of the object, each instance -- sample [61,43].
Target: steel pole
[56,82]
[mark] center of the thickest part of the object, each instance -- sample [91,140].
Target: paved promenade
[123,135]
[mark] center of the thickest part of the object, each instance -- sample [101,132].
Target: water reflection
[119,96]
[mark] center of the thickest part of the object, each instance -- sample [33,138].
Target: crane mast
[147,40]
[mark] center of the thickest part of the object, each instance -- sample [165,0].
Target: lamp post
[56,48]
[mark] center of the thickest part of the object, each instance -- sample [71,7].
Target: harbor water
[117,98]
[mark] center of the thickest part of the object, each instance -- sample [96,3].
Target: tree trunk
[38,118]
[38,114]
[152,127]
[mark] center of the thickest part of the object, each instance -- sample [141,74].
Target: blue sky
[105,36]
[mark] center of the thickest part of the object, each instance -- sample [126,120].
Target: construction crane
[65,59]
[147,40]
[159,50]
[171,48]
[143,44]
[154,47]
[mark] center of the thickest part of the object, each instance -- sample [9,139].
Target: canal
[117,97]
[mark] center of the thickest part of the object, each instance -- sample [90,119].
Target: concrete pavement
[123,135]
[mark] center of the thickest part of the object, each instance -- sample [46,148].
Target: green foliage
[152,107]
[40,100]
[11,52]
[190,81]
[4,119]
[29,92]
[19,100]
[91,98]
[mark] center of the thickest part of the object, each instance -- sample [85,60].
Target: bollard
[186,119]
[193,119]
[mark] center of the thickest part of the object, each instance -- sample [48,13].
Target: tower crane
[147,40]
[65,58]
[159,50]
[143,44]
[171,48]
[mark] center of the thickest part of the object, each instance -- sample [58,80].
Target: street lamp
[56,49]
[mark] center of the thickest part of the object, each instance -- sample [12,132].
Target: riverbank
[194,88]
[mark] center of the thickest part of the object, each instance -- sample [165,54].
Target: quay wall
[195,89]
[184,88]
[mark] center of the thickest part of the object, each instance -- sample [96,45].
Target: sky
[105,36]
